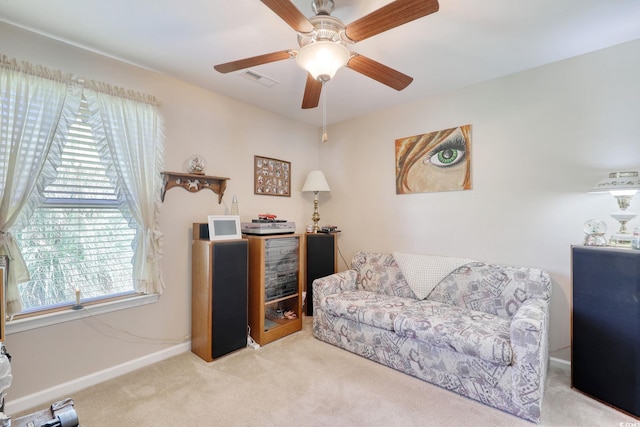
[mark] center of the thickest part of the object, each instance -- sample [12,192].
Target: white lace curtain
[36,108]
[132,133]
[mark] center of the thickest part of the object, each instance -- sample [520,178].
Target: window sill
[35,322]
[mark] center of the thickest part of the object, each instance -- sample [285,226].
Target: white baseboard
[560,363]
[44,398]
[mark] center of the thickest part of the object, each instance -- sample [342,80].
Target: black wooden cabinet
[605,352]
[321,261]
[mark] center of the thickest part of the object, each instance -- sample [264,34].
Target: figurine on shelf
[196,165]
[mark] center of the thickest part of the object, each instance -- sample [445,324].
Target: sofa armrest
[530,345]
[528,326]
[333,284]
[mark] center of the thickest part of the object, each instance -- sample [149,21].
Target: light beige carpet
[300,381]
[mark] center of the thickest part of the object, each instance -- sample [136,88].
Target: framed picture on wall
[272,177]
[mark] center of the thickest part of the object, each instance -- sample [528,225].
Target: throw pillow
[424,272]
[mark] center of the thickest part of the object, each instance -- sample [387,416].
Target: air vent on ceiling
[259,78]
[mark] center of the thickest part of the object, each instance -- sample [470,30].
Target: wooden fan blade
[241,64]
[379,72]
[290,14]
[312,91]
[390,16]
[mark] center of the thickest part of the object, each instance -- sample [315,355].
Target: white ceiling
[465,42]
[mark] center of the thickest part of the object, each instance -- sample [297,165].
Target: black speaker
[201,231]
[229,297]
[321,261]
[605,356]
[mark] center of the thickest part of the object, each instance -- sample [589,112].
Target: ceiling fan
[323,41]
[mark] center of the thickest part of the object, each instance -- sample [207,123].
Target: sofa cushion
[371,308]
[380,273]
[424,272]
[466,331]
[491,288]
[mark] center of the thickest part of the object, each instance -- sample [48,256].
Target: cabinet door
[275,286]
[606,326]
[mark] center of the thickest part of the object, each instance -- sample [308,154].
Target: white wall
[540,140]
[228,134]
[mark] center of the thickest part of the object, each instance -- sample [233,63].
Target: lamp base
[316,214]
[623,217]
[621,240]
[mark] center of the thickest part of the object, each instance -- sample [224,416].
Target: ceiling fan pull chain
[324,113]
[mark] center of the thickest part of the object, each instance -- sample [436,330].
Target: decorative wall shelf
[193,183]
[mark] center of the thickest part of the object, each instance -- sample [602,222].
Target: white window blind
[78,239]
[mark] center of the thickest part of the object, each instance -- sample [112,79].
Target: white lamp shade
[323,58]
[315,182]
[619,184]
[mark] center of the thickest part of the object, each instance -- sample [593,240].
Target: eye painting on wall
[436,161]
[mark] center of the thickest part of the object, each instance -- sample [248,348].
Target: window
[79,238]
[80,178]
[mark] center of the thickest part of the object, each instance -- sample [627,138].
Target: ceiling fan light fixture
[322,59]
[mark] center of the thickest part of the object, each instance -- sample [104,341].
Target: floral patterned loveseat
[481,332]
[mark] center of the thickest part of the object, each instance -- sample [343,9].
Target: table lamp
[315,182]
[623,186]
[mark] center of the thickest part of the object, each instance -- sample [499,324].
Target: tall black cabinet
[321,261]
[605,356]
[219,280]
